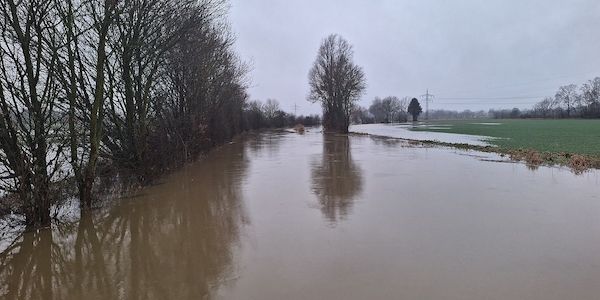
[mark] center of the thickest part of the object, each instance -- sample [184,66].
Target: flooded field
[287,216]
[403,131]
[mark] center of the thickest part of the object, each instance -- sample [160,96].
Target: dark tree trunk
[86,185]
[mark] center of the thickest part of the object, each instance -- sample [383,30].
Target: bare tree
[86,26]
[544,108]
[404,104]
[146,31]
[590,91]
[30,155]
[378,111]
[567,95]
[392,104]
[270,108]
[389,109]
[254,114]
[336,82]
[361,115]
[201,98]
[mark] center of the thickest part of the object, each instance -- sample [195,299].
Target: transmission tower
[428,97]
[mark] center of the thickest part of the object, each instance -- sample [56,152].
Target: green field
[572,136]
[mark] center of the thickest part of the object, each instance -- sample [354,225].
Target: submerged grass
[578,163]
[572,143]
[580,137]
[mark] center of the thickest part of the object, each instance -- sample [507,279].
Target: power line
[487,103]
[427,97]
[491,98]
[533,82]
[295,107]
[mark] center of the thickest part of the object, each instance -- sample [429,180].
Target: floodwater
[403,131]
[287,216]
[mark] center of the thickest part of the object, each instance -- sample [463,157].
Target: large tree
[590,97]
[336,82]
[567,95]
[389,109]
[81,70]
[414,108]
[30,120]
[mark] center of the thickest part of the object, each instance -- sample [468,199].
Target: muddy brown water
[286,216]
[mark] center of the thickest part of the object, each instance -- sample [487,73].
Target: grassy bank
[571,143]
[553,136]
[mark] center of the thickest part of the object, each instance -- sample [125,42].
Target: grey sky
[458,49]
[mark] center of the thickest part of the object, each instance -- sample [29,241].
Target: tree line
[569,101]
[395,110]
[270,115]
[390,109]
[94,87]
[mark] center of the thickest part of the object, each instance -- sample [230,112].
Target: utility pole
[295,108]
[428,97]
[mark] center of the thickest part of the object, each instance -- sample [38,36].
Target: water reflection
[175,241]
[466,214]
[26,274]
[393,143]
[267,142]
[336,178]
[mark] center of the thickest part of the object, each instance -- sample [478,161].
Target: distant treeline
[392,109]
[570,101]
[93,87]
[442,114]
[269,115]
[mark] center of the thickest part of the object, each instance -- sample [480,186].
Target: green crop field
[572,136]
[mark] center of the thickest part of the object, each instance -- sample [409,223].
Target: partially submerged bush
[299,128]
[579,163]
[533,157]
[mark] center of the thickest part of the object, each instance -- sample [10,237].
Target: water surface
[403,131]
[286,216]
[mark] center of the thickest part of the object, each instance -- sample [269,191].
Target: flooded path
[286,216]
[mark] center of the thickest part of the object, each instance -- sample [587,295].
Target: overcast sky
[468,53]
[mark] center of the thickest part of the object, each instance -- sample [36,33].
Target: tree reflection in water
[336,178]
[175,241]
